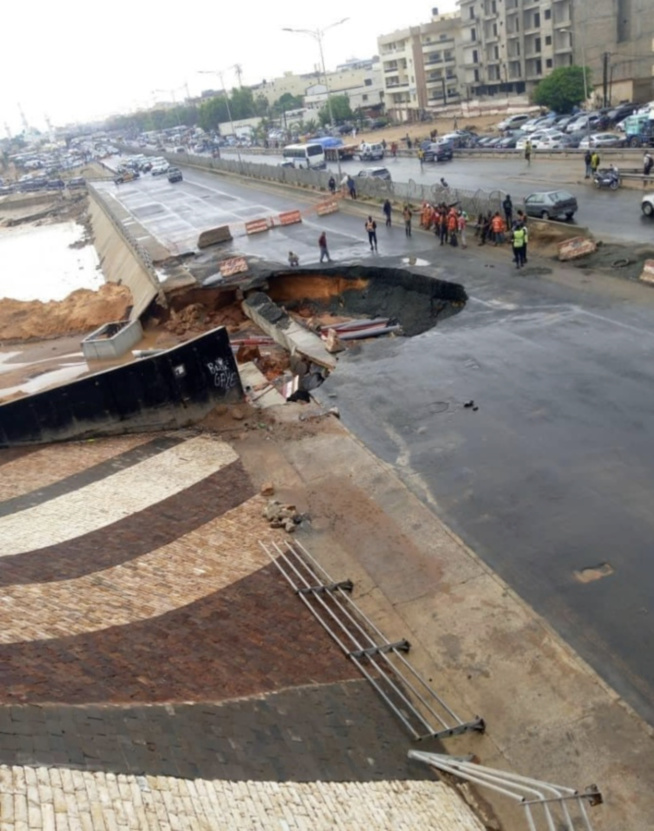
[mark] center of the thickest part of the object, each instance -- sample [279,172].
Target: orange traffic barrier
[330,206]
[256,226]
[235,265]
[290,217]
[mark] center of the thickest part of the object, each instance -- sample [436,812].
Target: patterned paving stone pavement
[157,672]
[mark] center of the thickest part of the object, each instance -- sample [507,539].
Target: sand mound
[81,312]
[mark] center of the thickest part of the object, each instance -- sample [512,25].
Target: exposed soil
[622,261]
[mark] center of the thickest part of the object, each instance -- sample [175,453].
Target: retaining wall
[123,261]
[172,389]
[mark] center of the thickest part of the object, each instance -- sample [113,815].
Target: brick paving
[157,672]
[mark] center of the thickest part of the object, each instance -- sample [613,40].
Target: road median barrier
[329,206]
[257,226]
[576,247]
[647,274]
[212,236]
[289,218]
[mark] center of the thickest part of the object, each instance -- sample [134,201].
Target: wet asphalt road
[612,216]
[553,474]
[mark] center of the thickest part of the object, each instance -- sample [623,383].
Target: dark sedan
[439,152]
[551,204]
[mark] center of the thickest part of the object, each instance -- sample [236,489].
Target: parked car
[375,173]
[533,138]
[174,174]
[125,175]
[621,112]
[77,182]
[55,184]
[551,204]
[371,152]
[513,121]
[160,169]
[551,141]
[507,143]
[586,122]
[602,140]
[439,152]
[647,204]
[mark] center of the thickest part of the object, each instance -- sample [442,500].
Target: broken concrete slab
[285,331]
[259,392]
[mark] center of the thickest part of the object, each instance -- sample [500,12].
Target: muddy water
[38,263]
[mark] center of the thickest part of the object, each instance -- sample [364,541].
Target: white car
[513,122]
[533,138]
[160,169]
[647,204]
[551,141]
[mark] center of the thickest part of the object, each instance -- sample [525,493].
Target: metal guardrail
[546,806]
[420,709]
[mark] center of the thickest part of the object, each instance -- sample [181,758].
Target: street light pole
[318,34]
[220,74]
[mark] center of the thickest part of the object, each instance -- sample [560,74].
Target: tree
[340,107]
[288,102]
[241,103]
[563,89]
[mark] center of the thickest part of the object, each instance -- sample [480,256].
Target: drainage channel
[383,663]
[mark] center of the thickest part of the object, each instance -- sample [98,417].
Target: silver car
[551,204]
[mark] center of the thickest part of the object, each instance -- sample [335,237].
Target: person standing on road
[519,237]
[332,185]
[462,223]
[648,162]
[507,206]
[528,149]
[387,209]
[588,158]
[371,228]
[594,162]
[324,251]
[421,157]
[352,188]
[407,216]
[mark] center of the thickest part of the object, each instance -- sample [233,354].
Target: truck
[344,152]
[639,129]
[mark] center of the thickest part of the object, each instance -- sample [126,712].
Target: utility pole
[605,78]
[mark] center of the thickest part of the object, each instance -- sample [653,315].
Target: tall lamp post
[318,34]
[220,74]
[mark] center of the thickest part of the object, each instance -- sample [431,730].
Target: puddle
[37,263]
[68,372]
[588,575]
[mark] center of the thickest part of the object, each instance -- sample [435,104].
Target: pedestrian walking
[443,225]
[351,187]
[293,260]
[594,162]
[519,237]
[324,251]
[498,227]
[394,149]
[588,158]
[452,227]
[648,162]
[507,206]
[421,157]
[522,220]
[332,185]
[371,228]
[387,210]
[528,149]
[407,216]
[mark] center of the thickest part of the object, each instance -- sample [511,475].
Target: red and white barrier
[328,207]
[256,226]
[290,217]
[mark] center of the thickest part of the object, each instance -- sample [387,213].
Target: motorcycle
[607,178]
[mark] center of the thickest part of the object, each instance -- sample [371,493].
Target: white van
[371,152]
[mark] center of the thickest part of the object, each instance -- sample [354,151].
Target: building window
[495,29]
[473,34]
[548,14]
[476,75]
[475,56]
[367,82]
[472,12]
[364,97]
[496,52]
[537,45]
[536,20]
[548,40]
[548,63]
[444,37]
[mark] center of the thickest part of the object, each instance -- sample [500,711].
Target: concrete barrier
[290,218]
[330,206]
[257,226]
[647,274]
[576,247]
[112,340]
[213,236]
[235,265]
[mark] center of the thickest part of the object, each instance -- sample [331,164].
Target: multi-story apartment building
[353,75]
[420,66]
[510,45]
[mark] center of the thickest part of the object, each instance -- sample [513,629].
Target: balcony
[391,68]
[397,85]
[562,48]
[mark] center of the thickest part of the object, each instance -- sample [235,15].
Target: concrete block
[214,235]
[112,340]
[647,274]
[576,247]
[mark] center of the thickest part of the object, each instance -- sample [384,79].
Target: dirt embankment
[81,312]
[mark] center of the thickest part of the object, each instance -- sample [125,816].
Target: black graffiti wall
[172,389]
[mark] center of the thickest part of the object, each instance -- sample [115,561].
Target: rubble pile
[282,516]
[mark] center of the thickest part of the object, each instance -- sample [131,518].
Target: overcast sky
[74,60]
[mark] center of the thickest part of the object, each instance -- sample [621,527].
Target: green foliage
[212,112]
[288,102]
[563,89]
[341,110]
[241,103]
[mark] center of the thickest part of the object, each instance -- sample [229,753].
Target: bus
[305,155]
